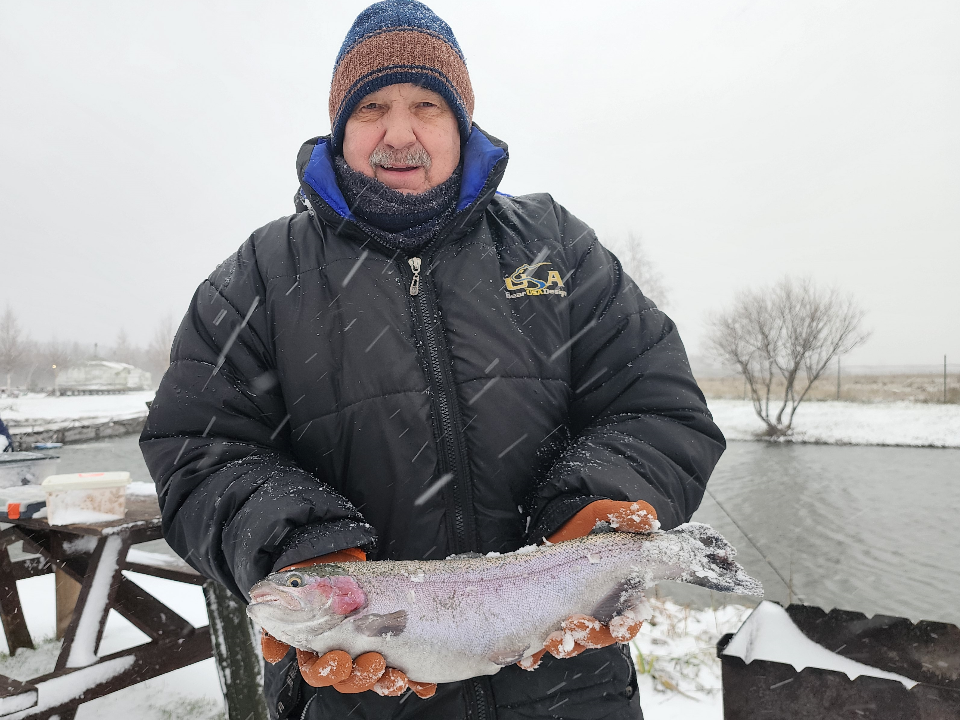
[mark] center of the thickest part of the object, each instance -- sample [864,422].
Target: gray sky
[141,143]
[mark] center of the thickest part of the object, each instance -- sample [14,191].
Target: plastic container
[84,498]
[25,468]
[22,502]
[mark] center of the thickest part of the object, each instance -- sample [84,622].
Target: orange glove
[581,632]
[336,668]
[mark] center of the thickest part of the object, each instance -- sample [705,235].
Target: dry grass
[853,388]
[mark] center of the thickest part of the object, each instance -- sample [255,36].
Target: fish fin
[720,571]
[465,556]
[375,625]
[602,527]
[615,601]
[508,657]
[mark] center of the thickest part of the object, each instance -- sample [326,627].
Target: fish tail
[714,566]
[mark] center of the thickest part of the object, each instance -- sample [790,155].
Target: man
[6,439]
[415,365]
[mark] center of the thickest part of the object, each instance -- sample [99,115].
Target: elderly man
[415,365]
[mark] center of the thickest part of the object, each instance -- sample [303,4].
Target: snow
[83,652]
[141,488]
[80,516]
[40,409]
[22,701]
[193,691]
[677,666]
[769,634]
[847,423]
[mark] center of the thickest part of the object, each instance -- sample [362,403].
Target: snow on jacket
[326,392]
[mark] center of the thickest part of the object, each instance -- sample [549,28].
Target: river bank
[40,418]
[901,424]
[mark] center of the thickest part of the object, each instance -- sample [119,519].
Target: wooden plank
[16,696]
[192,577]
[148,614]
[94,602]
[235,646]
[67,591]
[11,611]
[142,519]
[134,666]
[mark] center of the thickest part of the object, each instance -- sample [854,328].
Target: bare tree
[793,331]
[158,352]
[123,351]
[56,356]
[13,344]
[636,261]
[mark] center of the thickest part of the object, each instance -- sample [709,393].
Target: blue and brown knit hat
[399,41]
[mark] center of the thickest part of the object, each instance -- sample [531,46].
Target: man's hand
[336,668]
[635,517]
[582,632]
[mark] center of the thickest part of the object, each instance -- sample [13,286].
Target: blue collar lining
[479,158]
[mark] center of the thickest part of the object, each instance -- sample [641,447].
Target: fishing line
[756,547]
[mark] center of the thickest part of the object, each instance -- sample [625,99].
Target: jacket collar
[484,162]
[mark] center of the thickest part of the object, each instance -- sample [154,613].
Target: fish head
[304,602]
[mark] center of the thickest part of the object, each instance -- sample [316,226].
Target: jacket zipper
[452,455]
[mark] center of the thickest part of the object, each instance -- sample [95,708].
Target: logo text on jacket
[521,282]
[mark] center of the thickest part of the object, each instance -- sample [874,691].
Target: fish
[447,620]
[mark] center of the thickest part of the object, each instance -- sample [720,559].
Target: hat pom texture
[399,41]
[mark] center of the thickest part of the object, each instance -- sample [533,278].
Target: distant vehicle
[100,377]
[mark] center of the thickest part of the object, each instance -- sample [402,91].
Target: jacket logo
[521,282]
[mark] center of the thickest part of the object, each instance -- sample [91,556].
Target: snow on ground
[40,409]
[846,423]
[191,692]
[676,657]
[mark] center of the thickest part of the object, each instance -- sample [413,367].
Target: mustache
[410,156]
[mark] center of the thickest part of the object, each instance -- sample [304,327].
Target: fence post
[838,377]
[239,664]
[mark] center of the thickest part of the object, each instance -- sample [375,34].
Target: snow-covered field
[40,409]
[677,664]
[846,423]
[835,423]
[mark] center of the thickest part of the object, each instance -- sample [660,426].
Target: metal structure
[926,652]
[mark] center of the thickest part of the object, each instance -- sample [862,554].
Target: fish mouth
[267,593]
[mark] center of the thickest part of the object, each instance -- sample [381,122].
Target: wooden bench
[95,556]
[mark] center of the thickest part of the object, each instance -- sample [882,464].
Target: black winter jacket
[326,392]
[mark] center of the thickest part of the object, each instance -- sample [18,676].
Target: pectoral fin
[508,657]
[374,625]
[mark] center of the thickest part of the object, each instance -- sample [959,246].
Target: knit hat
[399,41]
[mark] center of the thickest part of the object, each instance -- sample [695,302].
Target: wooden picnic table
[95,556]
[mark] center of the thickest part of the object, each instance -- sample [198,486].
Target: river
[873,529]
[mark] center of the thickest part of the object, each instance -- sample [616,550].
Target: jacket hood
[484,162]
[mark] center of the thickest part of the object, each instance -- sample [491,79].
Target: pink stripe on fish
[344,593]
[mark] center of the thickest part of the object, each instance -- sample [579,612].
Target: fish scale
[449,620]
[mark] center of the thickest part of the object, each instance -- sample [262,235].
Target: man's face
[405,136]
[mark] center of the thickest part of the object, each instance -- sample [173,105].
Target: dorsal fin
[465,556]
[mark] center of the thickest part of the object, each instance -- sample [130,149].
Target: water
[874,529]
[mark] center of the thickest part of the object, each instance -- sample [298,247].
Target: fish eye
[294,581]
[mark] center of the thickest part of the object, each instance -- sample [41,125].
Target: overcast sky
[141,143]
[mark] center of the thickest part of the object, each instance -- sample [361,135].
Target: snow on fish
[446,620]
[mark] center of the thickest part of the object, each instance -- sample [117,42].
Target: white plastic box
[83,498]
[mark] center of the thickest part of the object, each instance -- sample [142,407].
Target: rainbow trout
[446,620]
